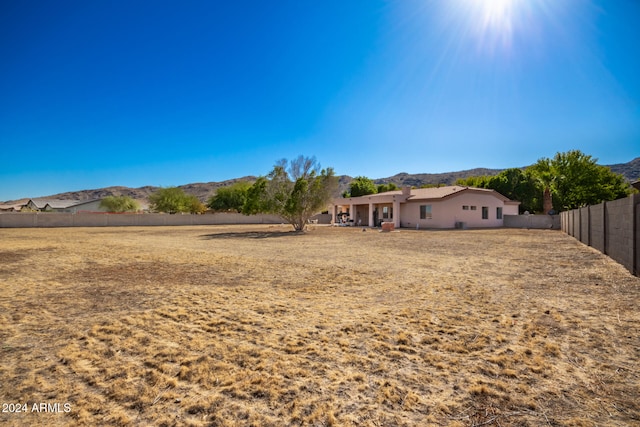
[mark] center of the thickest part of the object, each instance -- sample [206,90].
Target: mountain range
[630,170]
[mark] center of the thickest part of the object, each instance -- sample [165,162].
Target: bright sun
[495,22]
[496,13]
[496,6]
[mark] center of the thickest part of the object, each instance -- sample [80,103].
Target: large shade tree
[295,190]
[574,179]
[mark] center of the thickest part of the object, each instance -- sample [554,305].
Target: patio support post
[352,215]
[371,224]
[396,213]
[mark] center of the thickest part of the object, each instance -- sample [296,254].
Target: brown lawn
[255,325]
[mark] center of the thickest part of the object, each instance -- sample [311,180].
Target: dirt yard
[259,326]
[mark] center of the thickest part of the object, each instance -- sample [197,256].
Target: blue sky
[102,93]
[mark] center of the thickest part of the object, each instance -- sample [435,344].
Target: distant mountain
[630,170]
[203,191]
[447,178]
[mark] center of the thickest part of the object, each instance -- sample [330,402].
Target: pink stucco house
[442,207]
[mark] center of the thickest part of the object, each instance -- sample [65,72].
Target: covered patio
[368,211]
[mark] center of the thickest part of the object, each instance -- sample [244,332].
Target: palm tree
[544,173]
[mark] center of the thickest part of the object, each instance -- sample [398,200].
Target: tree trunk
[547,202]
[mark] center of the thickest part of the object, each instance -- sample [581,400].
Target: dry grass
[253,325]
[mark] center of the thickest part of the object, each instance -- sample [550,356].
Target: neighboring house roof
[54,203]
[11,208]
[57,204]
[61,204]
[79,203]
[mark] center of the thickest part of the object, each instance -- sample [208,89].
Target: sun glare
[495,21]
[496,12]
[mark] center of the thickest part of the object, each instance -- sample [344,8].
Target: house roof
[449,191]
[11,207]
[83,202]
[58,204]
[434,193]
[53,203]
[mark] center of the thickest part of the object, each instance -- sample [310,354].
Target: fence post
[605,235]
[589,225]
[636,234]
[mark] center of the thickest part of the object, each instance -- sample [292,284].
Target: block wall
[619,241]
[596,226]
[610,227]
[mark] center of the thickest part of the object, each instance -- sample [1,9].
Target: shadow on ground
[252,235]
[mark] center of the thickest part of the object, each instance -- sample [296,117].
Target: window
[465,207]
[425,211]
[474,208]
[485,212]
[499,213]
[385,212]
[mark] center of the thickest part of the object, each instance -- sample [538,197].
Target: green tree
[361,186]
[194,205]
[119,204]
[295,190]
[518,185]
[390,186]
[513,183]
[231,198]
[543,172]
[574,179]
[474,181]
[170,200]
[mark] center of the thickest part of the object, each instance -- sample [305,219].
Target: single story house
[438,207]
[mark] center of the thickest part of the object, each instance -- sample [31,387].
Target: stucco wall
[445,213]
[63,219]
